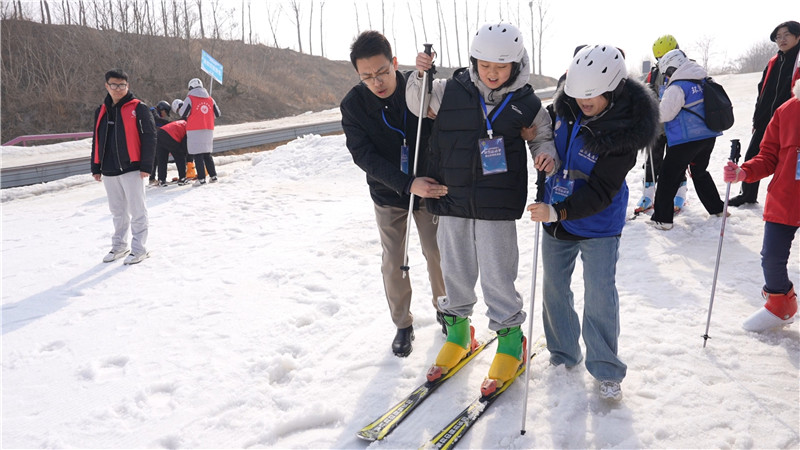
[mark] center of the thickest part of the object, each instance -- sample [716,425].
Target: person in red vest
[774,89]
[123,148]
[200,111]
[171,139]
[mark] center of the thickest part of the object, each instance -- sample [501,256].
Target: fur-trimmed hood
[629,124]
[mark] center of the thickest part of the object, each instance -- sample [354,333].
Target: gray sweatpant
[126,200]
[470,247]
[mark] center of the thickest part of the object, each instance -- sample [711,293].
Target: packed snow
[260,322]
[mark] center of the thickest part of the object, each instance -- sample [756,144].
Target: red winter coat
[779,154]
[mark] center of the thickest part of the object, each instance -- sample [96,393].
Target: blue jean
[600,304]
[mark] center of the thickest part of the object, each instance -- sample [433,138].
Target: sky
[259,320]
[631,25]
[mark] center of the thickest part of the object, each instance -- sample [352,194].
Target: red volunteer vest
[202,115]
[132,140]
[176,129]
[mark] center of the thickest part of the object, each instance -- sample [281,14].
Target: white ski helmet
[195,83]
[176,105]
[595,70]
[672,60]
[498,43]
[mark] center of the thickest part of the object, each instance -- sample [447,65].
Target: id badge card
[493,155]
[404,159]
[797,166]
[562,188]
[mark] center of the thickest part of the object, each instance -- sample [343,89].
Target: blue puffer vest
[579,164]
[687,127]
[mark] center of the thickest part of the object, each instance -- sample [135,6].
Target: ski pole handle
[736,150]
[431,71]
[428,48]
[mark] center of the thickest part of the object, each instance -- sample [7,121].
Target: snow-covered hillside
[260,322]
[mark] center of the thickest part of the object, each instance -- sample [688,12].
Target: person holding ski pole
[655,153]
[775,87]
[477,152]
[603,118]
[381,133]
[779,156]
[689,140]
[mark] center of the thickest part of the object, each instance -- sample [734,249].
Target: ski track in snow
[259,322]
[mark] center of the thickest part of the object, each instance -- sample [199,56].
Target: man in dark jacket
[381,136]
[123,150]
[774,89]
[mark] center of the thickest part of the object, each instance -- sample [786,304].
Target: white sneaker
[113,256]
[136,259]
[610,390]
[660,225]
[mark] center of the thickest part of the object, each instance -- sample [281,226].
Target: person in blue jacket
[689,141]
[602,119]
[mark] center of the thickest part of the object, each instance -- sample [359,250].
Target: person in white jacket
[689,141]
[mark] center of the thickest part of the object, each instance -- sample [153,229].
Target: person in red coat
[779,157]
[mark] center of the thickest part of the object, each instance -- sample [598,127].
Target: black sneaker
[182,182]
[739,200]
[214,179]
[401,345]
[162,183]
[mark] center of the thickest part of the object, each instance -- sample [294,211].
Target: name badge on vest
[562,188]
[404,158]
[493,155]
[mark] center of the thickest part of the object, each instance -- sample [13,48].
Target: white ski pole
[530,317]
[735,151]
[425,87]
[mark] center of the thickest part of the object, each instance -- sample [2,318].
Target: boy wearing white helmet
[200,112]
[689,141]
[602,119]
[477,151]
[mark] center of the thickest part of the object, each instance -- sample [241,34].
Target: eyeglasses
[116,87]
[780,37]
[379,76]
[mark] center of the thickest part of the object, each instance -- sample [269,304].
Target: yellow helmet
[664,44]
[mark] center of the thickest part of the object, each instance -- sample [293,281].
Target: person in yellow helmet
[655,154]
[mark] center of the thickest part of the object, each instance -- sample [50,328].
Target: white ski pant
[488,248]
[126,201]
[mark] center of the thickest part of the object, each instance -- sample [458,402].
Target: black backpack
[718,106]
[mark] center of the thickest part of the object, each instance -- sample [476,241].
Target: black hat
[793,27]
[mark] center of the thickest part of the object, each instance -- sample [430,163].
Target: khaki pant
[392,228]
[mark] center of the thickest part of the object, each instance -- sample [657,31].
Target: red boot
[778,311]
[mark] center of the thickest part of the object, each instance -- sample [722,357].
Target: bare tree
[466,32]
[310,22]
[440,15]
[704,49]
[295,4]
[755,58]
[413,25]
[383,17]
[243,40]
[542,8]
[273,18]
[369,17]
[250,21]
[321,35]
[186,27]
[358,25]
[422,19]
[200,18]
[458,44]
[214,6]
[533,40]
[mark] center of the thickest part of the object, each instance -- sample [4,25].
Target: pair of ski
[456,428]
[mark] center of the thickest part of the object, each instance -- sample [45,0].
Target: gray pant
[392,228]
[126,200]
[487,247]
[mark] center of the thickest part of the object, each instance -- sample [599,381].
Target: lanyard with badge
[404,147]
[562,185]
[493,149]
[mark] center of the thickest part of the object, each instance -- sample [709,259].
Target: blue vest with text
[687,127]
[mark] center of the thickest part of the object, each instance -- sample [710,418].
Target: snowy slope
[259,322]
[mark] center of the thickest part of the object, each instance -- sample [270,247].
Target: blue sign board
[210,66]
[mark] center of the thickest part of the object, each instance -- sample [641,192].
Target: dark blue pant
[750,190]
[775,256]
